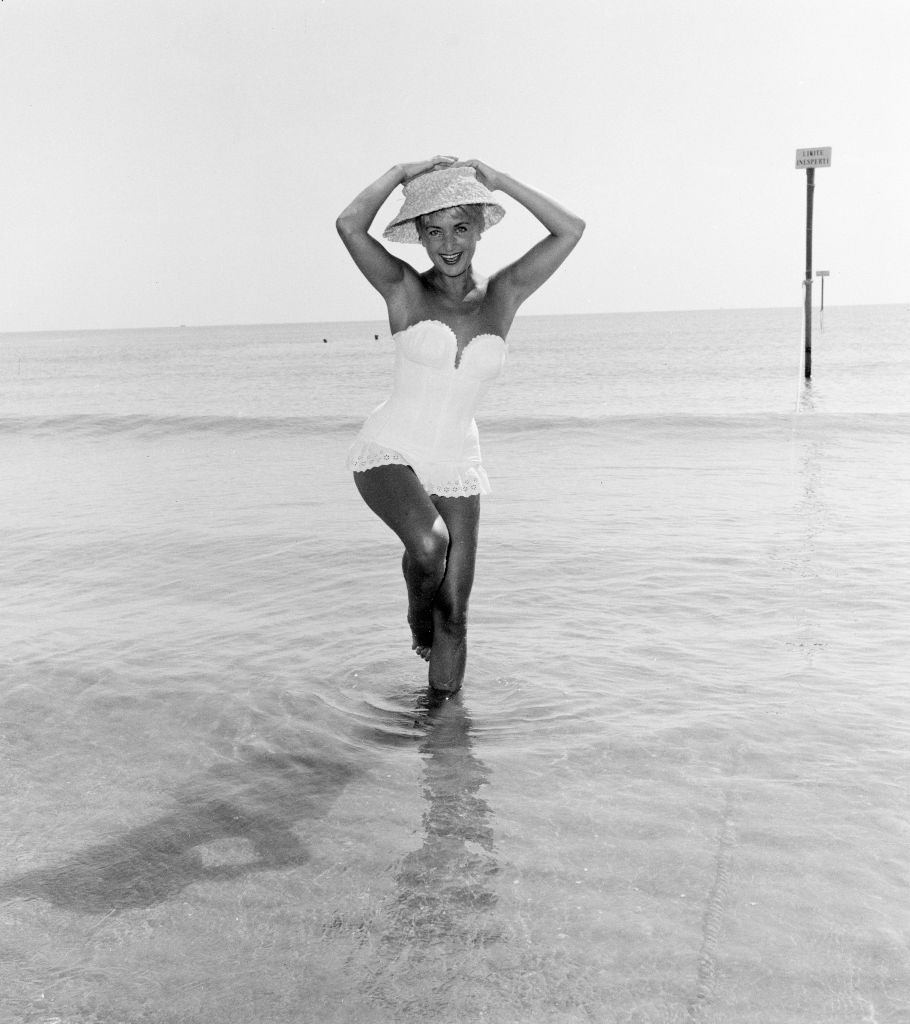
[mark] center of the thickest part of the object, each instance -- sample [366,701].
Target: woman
[417,461]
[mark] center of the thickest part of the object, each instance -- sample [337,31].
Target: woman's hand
[414,170]
[484,173]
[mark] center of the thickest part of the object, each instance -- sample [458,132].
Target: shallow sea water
[675,787]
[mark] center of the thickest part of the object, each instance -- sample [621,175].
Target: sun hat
[438,190]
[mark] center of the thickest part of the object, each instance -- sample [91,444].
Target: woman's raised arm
[383,270]
[523,277]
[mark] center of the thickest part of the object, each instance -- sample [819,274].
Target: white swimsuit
[427,422]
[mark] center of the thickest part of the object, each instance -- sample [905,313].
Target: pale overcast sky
[183,161]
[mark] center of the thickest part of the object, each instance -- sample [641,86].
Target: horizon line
[521,316]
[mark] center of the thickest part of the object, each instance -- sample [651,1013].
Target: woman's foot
[421,637]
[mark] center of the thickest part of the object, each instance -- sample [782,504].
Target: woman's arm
[383,270]
[523,277]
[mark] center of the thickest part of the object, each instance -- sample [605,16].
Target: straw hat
[438,190]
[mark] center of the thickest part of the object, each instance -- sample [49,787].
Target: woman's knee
[427,552]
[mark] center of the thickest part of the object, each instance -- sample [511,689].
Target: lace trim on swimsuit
[368,455]
[447,482]
[471,481]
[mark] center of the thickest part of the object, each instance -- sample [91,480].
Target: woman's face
[450,237]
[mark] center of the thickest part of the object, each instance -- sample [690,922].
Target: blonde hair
[472,212]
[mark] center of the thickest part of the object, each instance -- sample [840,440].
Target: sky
[183,161]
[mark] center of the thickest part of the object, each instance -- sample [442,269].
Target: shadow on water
[259,797]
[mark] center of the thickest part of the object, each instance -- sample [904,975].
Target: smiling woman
[452,234]
[416,461]
[470,212]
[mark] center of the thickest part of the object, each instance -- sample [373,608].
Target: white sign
[818,157]
[822,273]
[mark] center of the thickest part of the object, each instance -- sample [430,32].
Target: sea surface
[675,787]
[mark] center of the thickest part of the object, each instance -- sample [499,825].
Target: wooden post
[810,196]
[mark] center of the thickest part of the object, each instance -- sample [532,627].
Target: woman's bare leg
[395,494]
[450,611]
[420,609]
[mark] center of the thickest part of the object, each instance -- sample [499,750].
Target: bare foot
[421,639]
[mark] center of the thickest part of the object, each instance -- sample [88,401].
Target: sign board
[822,273]
[818,157]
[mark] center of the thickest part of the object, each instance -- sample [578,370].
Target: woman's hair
[472,212]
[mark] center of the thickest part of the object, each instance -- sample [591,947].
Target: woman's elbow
[344,225]
[571,231]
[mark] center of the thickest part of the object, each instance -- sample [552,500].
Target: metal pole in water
[809,159]
[810,197]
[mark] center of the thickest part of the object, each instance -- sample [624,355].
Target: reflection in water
[444,887]
[806,400]
[815,515]
[258,798]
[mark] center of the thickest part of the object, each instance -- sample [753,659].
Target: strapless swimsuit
[427,422]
